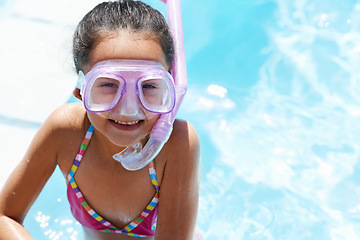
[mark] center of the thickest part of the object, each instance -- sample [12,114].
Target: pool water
[274,93]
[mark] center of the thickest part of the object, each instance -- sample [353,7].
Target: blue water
[274,92]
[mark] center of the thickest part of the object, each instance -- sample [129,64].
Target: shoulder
[184,135]
[62,132]
[183,146]
[65,122]
[70,115]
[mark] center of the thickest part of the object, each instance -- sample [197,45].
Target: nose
[129,104]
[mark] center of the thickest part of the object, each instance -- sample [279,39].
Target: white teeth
[127,123]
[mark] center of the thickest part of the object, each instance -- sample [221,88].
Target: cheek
[151,121]
[96,120]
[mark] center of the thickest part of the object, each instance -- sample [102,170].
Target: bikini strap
[153,176]
[81,151]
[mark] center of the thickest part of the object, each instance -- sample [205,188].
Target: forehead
[127,67]
[127,45]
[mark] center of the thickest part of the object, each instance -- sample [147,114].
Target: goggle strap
[80,82]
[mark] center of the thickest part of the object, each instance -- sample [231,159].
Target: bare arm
[179,190]
[10,229]
[27,180]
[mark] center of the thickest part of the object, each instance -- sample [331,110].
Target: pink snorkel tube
[135,157]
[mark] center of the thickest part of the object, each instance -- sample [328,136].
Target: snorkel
[136,157]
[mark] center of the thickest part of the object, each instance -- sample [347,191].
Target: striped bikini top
[143,226]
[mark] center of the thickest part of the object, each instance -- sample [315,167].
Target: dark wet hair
[109,18]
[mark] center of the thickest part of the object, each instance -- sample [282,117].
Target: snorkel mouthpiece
[135,157]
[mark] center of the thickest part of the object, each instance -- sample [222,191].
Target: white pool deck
[36,69]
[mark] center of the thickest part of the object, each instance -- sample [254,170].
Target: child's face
[120,129]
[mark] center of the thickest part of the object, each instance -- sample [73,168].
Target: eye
[149,86]
[108,85]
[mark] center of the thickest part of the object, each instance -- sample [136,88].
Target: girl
[114,44]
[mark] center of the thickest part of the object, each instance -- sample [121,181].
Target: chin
[126,141]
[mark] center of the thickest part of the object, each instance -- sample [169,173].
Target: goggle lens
[156,95]
[103,94]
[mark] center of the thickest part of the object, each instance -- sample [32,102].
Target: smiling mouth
[130,123]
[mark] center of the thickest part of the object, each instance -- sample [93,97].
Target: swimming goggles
[132,81]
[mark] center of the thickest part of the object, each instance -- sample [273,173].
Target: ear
[76,93]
